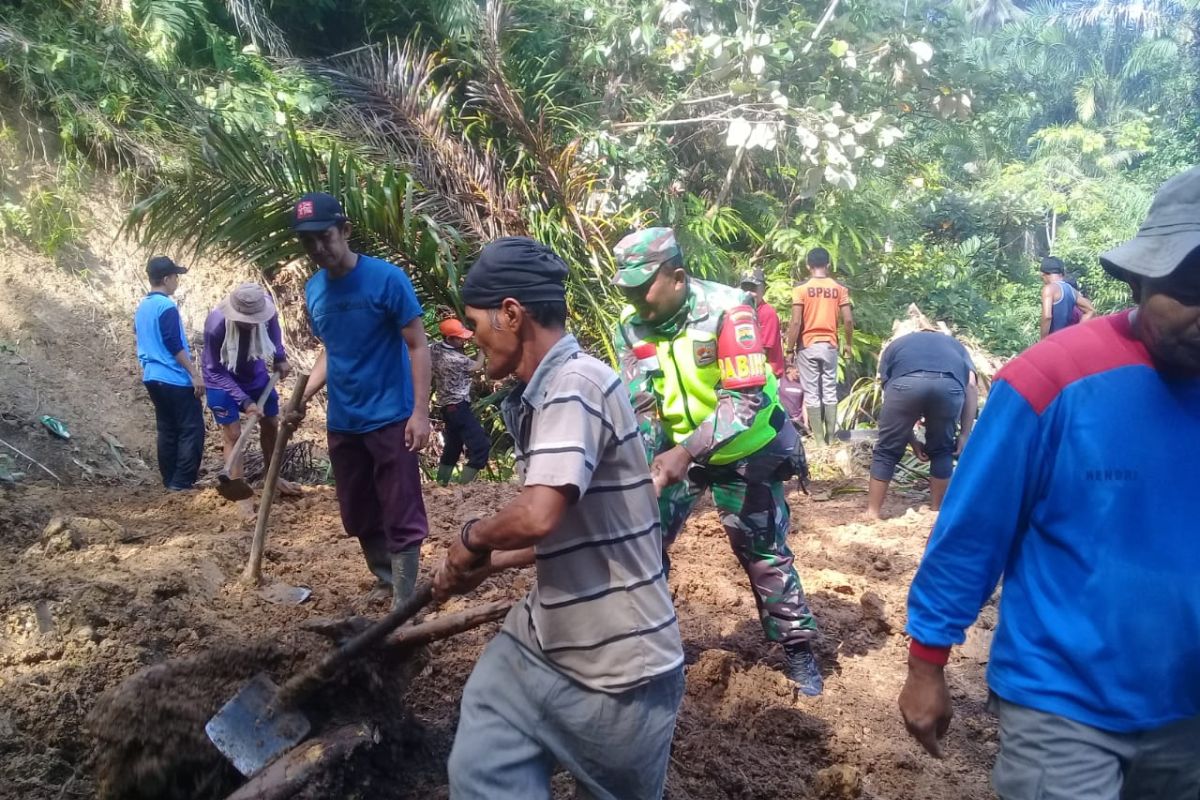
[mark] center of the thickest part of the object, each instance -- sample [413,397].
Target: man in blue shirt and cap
[172,380]
[1095,664]
[376,363]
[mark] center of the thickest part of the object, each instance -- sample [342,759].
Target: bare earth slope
[67,347]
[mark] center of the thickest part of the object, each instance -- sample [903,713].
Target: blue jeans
[520,717]
[180,418]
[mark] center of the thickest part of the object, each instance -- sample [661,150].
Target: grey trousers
[1048,757]
[520,717]
[818,373]
[936,397]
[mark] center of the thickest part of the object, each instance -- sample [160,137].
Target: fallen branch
[448,625]
[414,635]
[816,34]
[32,459]
[666,123]
[290,772]
[727,186]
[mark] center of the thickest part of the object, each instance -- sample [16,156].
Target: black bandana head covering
[517,267]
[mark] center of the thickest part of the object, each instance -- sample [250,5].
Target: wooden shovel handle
[254,565]
[302,685]
[249,427]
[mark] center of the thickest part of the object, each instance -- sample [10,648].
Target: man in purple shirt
[240,336]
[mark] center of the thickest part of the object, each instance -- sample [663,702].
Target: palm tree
[988,15]
[422,188]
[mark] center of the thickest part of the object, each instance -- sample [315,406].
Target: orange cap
[452,327]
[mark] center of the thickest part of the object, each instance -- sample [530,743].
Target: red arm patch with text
[740,350]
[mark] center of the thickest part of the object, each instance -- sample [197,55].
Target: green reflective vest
[688,372]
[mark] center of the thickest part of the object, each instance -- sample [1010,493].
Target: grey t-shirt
[600,610]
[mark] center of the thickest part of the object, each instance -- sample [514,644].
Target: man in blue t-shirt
[172,380]
[376,363]
[1095,663]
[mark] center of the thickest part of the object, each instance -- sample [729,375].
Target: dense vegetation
[936,147]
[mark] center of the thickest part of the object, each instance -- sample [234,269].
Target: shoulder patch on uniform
[704,353]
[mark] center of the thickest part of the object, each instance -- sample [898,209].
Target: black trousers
[180,417]
[463,429]
[938,398]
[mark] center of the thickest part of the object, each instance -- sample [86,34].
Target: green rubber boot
[468,474]
[405,566]
[445,472]
[816,424]
[378,560]
[830,422]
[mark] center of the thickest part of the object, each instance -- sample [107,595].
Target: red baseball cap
[452,327]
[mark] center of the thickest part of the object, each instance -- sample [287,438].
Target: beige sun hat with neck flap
[249,303]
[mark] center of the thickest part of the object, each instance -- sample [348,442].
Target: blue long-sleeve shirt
[1079,487]
[160,335]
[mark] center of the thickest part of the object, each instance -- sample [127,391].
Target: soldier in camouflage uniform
[708,408]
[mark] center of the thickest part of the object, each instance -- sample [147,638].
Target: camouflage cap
[640,254]
[754,278]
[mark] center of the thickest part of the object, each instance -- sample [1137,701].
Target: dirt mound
[142,586]
[148,733]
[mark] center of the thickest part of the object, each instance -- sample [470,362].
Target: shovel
[239,488]
[261,722]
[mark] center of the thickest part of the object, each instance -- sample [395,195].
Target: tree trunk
[290,772]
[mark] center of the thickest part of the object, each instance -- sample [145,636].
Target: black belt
[925,373]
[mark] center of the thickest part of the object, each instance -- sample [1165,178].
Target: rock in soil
[839,782]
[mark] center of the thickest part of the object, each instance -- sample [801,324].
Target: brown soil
[123,626]
[132,582]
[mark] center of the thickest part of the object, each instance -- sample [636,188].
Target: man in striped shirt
[587,671]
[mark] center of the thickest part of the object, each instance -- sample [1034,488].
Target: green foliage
[235,198]
[861,405]
[45,210]
[936,149]
[54,220]
[167,24]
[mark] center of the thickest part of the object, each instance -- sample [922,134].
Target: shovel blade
[233,488]
[284,594]
[251,732]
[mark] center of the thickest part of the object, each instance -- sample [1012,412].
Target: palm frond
[991,14]
[1150,57]
[458,20]
[234,199]
[496,93]
[167,22]
[391,101]
[252,21]
[1085,101]
[1150,16]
